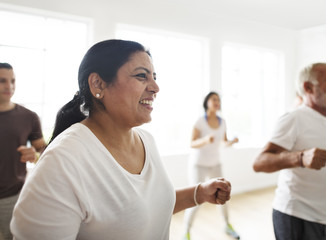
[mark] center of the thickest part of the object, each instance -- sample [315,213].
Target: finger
[21,148]
[220,201]
[223,193]
[222,184]
[26,150]
[223,196]
[224,180]
[28,156]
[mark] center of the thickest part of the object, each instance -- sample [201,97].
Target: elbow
[256,167]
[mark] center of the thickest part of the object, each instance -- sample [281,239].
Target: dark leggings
[287,227]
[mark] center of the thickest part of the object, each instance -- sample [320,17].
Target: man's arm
[274,158]
[31,153]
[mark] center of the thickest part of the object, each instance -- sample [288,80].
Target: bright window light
[45,53]
[252,92]
[180,62]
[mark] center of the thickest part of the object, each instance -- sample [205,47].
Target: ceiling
[290,14]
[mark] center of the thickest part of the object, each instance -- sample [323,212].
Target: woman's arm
[216,191]
[229,143]
[197,142]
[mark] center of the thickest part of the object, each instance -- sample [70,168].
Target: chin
[143,121]
[148,120]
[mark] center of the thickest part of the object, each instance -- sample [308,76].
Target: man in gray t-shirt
[18,125]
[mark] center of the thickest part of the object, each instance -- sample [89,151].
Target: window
[253,92]
[45,53]
[180,62]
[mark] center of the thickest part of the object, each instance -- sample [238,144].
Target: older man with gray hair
[298,149]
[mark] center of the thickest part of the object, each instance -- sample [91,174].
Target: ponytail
[68,115]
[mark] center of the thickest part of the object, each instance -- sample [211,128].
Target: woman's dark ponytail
[68,115]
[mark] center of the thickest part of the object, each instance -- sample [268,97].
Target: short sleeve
[286,131]
[199,123]
[36,132]
[48,206]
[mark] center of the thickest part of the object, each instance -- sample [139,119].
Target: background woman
[207,135]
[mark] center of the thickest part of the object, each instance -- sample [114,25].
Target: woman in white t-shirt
[208,134]
[101,177]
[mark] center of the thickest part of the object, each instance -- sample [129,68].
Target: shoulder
[25,111]
[73,139]
[144,134]
[201,120]
[292,116]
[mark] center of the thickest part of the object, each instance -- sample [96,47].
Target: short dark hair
[207,98]
[5,65]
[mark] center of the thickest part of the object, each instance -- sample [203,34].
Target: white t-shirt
[301,192]
[79,191]
[208,155]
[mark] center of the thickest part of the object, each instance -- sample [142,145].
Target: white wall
[311,46]
[237,168]
[166,16]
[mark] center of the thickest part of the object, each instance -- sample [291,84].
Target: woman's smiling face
[129,99]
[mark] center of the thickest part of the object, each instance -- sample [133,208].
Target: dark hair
[207,98]
[5,65]
[104,58]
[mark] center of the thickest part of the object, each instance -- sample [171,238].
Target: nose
[9,85]
[153,87]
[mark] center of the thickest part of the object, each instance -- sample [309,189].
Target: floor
[250,214]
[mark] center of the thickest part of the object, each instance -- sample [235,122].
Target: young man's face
[7,85]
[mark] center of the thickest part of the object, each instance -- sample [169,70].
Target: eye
[141,75]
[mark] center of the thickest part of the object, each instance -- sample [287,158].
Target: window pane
[45,54]
[22,30]
[252,87]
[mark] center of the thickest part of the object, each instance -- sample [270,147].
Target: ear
[96,85]
[308,87]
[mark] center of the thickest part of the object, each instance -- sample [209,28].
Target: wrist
[300,159]
[195,194]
